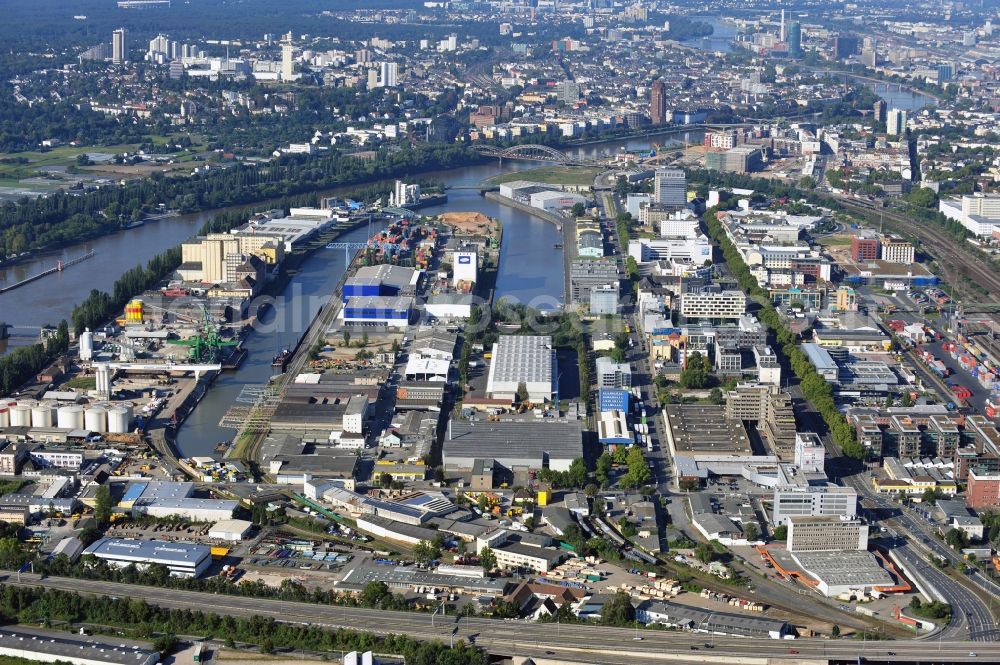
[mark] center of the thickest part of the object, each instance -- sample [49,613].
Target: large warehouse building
[182,559]
[514,444]
[523,359]
[51,648]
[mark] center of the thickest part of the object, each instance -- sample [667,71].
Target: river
[530,271]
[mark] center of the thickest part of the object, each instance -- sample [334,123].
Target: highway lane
[588,643]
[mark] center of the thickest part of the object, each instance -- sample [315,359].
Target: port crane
[207,344]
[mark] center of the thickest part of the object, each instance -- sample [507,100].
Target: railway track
[945,249]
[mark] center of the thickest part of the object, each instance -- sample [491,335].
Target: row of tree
[140,620]
[814,387]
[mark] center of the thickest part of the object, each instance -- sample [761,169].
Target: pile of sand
[469,222]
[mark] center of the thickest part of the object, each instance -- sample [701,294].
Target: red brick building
[864,248]
[982,491]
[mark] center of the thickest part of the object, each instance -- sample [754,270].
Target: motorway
[577,643]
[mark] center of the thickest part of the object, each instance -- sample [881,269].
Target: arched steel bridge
[531,152]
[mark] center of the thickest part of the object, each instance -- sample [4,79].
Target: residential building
[119,46]
[658,103]
[895,124]
[826,533]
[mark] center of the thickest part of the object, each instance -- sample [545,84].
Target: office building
[895,124]
[945,72]
[830,500]
[658,103]
[983,490]
[119,46]
[670,187]
[714,305]
[588,274]
[810,454]
[865,246]
[523,360]
[844,46]
[604,300]
[825,533]
[613,375]
[795,40]
[181,559]
[741,159]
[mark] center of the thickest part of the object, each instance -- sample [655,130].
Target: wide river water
[531,271]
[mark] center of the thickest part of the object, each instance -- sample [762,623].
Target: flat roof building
[523,359]
[831,500]
[181,559]
[514,444]
[826,533]
[64,648]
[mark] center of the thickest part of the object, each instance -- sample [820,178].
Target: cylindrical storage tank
[118,420]
[20,416]
[133,311]
[86,345]
[41,416]
[96,419]
[4,416]
[70,417]
[129,409]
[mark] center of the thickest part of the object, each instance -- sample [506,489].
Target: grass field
[66,156]
[552,175]
[835,241]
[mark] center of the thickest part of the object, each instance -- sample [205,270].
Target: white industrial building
[181,559]
[523,359]
[64,648]
[533,444]
[194,509]
[463,267]
[979,213]
[556,201]
[231,530]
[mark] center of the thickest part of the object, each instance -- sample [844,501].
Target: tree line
[140,620]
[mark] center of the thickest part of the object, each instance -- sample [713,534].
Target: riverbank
[566,226]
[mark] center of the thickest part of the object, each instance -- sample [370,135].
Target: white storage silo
[20,416]
[70,417]
[96,419]
[41,415]
[87,345]
[118,420]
